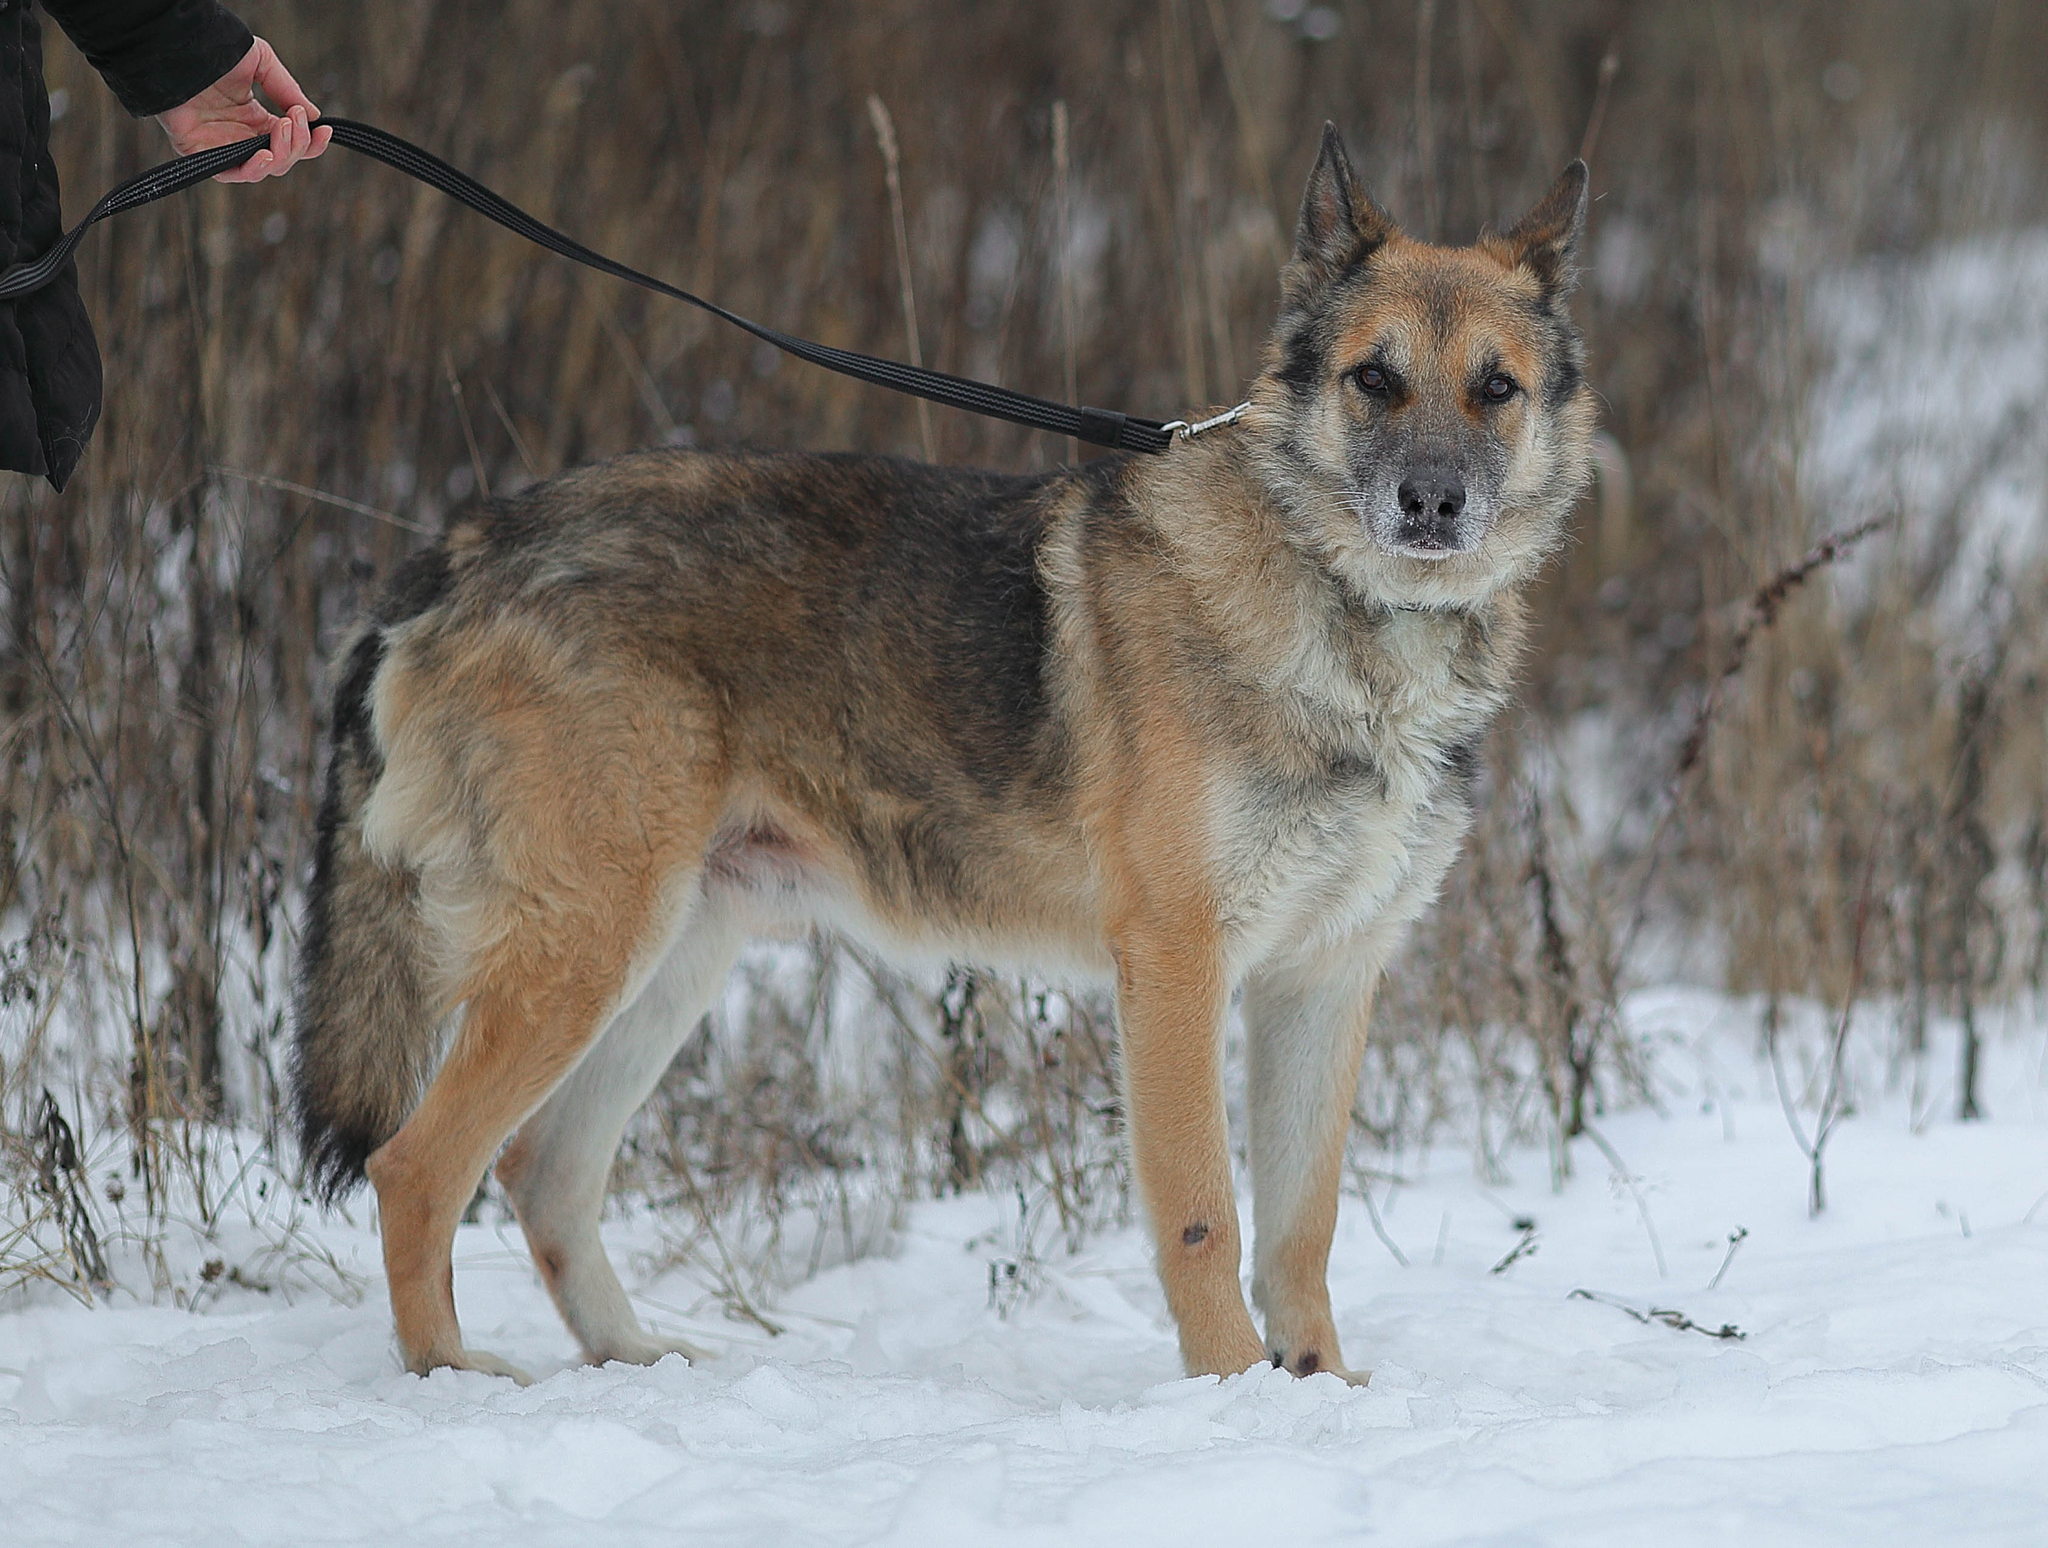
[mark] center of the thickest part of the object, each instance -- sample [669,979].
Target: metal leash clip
[1184,431]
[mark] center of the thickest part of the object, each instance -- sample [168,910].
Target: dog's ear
[1339,225]
[1546,240]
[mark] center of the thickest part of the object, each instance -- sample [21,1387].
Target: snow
[1929,407]
[1891,1386]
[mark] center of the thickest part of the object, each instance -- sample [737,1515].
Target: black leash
[1100,427]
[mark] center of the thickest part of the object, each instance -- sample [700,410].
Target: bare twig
[285,485]
[1833,1106]
[476,457]
[1736,1238]
[885,136]
[1628,1181]
[1610,65]
[1061,164]
[735,1292]
[1250,137]
[511,430]
[1762,613]
[1525,1247]
[1833,1103]
[1425,117]
[62,1175]
[1468,59]
[1668,1317]
[1379,1227]
[636,368]
[1531,75]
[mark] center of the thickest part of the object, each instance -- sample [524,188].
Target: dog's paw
[646,1349]
[1309,1362]
[479,1360]
[1348,1377]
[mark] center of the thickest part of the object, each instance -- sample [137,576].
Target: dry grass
[304,378]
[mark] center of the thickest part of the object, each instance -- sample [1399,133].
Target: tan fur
[548,823]
[1184,725]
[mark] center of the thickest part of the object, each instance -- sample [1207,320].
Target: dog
[1187,725]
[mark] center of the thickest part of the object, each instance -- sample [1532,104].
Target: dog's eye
[1499,388]
[1372,379]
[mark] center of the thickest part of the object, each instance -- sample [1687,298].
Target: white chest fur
[1345,826]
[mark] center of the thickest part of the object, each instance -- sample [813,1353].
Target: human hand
[228,111]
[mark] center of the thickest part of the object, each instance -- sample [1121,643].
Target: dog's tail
[364,1019]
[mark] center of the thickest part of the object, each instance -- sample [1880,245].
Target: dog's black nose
[1431,499]
[1432,492]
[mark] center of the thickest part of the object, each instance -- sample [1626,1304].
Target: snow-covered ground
[1891,1385]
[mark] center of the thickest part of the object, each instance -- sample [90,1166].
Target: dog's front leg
[1171,998]
[1306,1029]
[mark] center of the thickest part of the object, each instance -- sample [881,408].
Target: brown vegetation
[305,377]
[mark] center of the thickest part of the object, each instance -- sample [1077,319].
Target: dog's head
[1422,413]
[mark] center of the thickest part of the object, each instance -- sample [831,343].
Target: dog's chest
[1349,812]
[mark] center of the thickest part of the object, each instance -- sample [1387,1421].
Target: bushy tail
[364,1026]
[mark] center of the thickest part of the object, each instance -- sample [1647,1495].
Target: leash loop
[1099,427]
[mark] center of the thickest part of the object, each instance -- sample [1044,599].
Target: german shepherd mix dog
[1187,724]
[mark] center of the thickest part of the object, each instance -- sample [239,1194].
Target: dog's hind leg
[1305,1029]
[579,819]
[536,1011]
[557,1166]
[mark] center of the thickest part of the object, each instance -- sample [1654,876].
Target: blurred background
[1816,297]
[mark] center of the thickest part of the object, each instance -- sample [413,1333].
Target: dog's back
[854,648]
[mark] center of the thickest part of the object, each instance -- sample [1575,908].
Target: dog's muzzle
[1429,516]
[1431,500]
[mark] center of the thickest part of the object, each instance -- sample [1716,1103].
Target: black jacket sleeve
[154,53]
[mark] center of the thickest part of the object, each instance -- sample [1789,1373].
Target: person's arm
[195,67]
[155,54]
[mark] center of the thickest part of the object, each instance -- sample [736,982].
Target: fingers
[292,140]
[230,110]
[235,85]
[301,147]
[292,137]
[272,159]
[276,83]
[254,170]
